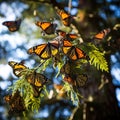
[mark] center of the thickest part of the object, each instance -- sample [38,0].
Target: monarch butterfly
[46,50]
[12,25]
[17,67]
[47,27]
[37,79]
[16,103]
[67,36]
[81,80]
[37,82]
[72,52]
[101,35]
[65,17]
[65,68]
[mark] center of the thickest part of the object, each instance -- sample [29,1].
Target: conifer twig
[73,112]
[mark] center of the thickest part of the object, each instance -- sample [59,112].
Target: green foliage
[71,93]
[32,103]
[97,58]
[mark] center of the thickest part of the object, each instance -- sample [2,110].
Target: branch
[73,112]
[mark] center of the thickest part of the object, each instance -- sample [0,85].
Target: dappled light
[59,60]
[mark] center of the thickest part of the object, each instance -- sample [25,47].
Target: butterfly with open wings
[68,36]
[17,67]
[37,82]
[46,50]
[73,53]
[65,17]
[47,27]
[102,34]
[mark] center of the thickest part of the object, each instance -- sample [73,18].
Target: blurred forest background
[102,90]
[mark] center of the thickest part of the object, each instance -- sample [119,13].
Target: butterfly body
[45,51]
[12,25]
[47,27]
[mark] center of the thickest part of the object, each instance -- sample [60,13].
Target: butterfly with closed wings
[77,80]
[65,69]
[12,25]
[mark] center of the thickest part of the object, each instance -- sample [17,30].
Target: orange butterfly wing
[101,35]
[43,25]
[45,51]
[17,67]
[61,33]
[39,50]
[47,27]
[73,36]
[80,53]
[68,79]
[67,36]
[66,18]
[66,46]
[76,53]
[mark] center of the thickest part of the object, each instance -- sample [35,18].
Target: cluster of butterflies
[15,102]
[36,80]
[62,44]
[49,28]
[75,79]
[55,48]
